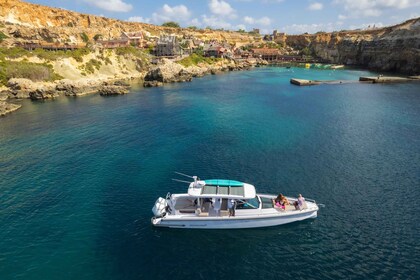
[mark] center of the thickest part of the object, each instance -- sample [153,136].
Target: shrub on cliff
[171,24]
[84,37]
[27,70]
[3,36]
[195,59]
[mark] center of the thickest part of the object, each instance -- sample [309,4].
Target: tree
[192,27]
[171,24]
[97,37]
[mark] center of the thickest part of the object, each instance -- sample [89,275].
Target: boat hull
[237,222]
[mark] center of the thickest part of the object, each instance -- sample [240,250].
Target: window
[253,203]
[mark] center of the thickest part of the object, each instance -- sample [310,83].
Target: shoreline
[166,72]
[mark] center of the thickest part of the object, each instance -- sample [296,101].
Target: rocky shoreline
[166,71]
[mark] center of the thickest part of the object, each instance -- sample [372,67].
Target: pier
[374,80]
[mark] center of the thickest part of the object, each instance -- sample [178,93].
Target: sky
[290,16]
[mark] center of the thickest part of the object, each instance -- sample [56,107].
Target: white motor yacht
[206,206]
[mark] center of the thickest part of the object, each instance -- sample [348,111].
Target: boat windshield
[252,203]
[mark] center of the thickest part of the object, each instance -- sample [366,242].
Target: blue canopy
[223,183]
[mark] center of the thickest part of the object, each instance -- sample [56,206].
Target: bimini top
[221,188]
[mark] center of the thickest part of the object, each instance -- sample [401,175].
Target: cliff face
[395,48]
[28,22]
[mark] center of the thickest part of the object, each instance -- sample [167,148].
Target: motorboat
[227,204]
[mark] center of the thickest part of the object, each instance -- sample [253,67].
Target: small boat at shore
[226,204]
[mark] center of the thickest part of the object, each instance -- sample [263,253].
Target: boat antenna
[182,174]
[182,181]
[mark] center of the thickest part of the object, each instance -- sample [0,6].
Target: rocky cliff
[395,48]
[25,22]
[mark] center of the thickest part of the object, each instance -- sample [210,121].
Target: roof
[222,188]
[266,51]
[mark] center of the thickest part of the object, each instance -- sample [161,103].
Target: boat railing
[310,200]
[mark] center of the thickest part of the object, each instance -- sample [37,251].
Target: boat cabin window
[253,203]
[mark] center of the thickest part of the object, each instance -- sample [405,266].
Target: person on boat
[231,207]
[279,201]
[284,201]
[299,204]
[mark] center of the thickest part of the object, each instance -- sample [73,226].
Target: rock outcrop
[6,107]
[395,48]
[167,72]
[108,90]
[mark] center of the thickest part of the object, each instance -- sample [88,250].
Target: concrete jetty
[374,80]
[303,82]
[383,79]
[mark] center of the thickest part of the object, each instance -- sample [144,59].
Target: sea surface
[79,176]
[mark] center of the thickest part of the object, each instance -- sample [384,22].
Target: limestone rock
[168,72]
[6,107]
[76,88]
[41,94]
[152,84]
[113,90]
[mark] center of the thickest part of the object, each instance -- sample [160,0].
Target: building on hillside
[266,54]
[279,37]
[135,39]
[126,39]
[168,45]
[113,43]
[216,49]
[256,31]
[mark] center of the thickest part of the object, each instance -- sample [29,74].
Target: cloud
[315,6]
[215,22]
[221,8]
[312,28]
[264,21]
[373,8]
[168,13]
[111,5]
[366,25]
[139,19]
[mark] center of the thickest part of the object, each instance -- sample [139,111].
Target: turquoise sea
[79,176]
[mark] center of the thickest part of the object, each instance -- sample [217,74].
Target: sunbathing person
[284,201]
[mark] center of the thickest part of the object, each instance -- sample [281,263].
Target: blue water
[79,176]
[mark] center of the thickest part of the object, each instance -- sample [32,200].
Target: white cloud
[315,6]
[111,5]
[221,8]
[374,8]
[139,19]
[215,22]
[367,26]
[264,21]
[342,17]
[312,28]
[168,13]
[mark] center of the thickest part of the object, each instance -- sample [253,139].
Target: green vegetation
[171,24]
[3,36]
[193,27]
[47,55]
[27,70]
[97,37]
[195,59]
[84,37]
[124,51]
[306,51]
[90,66]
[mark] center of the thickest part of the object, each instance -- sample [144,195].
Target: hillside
[24,21]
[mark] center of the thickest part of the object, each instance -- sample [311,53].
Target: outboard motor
[160,207]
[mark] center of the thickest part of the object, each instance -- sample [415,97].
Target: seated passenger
[284,201]
[299,204]
[278,202]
